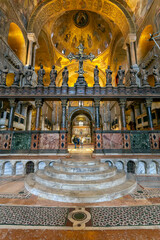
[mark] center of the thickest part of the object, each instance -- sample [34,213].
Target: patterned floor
[80,217]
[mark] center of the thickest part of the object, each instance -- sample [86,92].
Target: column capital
[122,102]
[64,102]
[32,37]
[148,102]
[131,38]
[97,102]
[38,103]
[12,102]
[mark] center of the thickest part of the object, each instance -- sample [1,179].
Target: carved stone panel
[49,141]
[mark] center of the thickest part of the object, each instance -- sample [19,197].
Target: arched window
[7,168]
[19,168]
[119,165]
[141,168]
[109,163]
[29,167]
[152,168]
[41,165]
[131,167]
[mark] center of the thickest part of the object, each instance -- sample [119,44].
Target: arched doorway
[81,125]
[131,167]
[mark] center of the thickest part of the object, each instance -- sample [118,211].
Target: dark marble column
[149,112]
[97,113]
[122,104]
[11,116]
[38,103]
[64,106]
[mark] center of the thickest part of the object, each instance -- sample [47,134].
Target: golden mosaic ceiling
[75,27]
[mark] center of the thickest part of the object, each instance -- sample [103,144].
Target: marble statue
[133,73]
[4,73]
[144,76]
[28,76]
[17,76]
[108,76]
[121,74]
[156,74]
[65,77]
[96,76]
[41,73]
[53,76]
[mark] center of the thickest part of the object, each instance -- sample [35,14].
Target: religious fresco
[81,27]
[24,8]
[3,22]
[141,9]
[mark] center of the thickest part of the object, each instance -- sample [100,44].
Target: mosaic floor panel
[80,217]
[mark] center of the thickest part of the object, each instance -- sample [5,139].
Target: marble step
[117,179]
[79,196]
[51,172]
[80,169]
[80,162]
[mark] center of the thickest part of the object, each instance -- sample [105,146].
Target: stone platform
[82,181]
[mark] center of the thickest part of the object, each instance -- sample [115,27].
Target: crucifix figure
[81,57]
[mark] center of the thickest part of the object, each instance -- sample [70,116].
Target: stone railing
[9,54]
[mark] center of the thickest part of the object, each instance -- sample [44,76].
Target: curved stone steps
[80,169]
[51,172]
[117,179]
[79,196]
[81,162]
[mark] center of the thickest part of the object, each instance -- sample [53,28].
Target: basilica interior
[80,119]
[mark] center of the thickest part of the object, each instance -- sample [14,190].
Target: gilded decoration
[81,19]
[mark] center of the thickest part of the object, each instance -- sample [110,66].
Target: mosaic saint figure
[65,77]
[53,76]
[108,76]
[41,73]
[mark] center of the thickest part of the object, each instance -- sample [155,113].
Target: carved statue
[4,75]
[133,73]
[28,76]
[108,76]
[17,76]
[96,76]
[121,74]
[41,73]
[65,77]
[156,74]
[53,76]
[144,75]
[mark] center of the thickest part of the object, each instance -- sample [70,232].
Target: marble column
[131,49]
[122,104]
[38,103]
[97,113]
[64,107]
[11,116]
[29,119]
[148,104]
[30,54]
[24,113]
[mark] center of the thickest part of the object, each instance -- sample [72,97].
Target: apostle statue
[133,73]
[41,73]
[4,73]
[65,77]
[108,76]
[121,74]
[17,76]
[53,76]
[144,76]
[96,76]
[156,74]
[28,76]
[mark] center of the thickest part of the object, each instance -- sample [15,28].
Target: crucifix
[81,57]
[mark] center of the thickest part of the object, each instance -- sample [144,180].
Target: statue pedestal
[80,85]
[96,88]
[64,89]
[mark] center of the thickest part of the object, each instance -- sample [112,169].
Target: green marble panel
[21,141]
[140,142]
